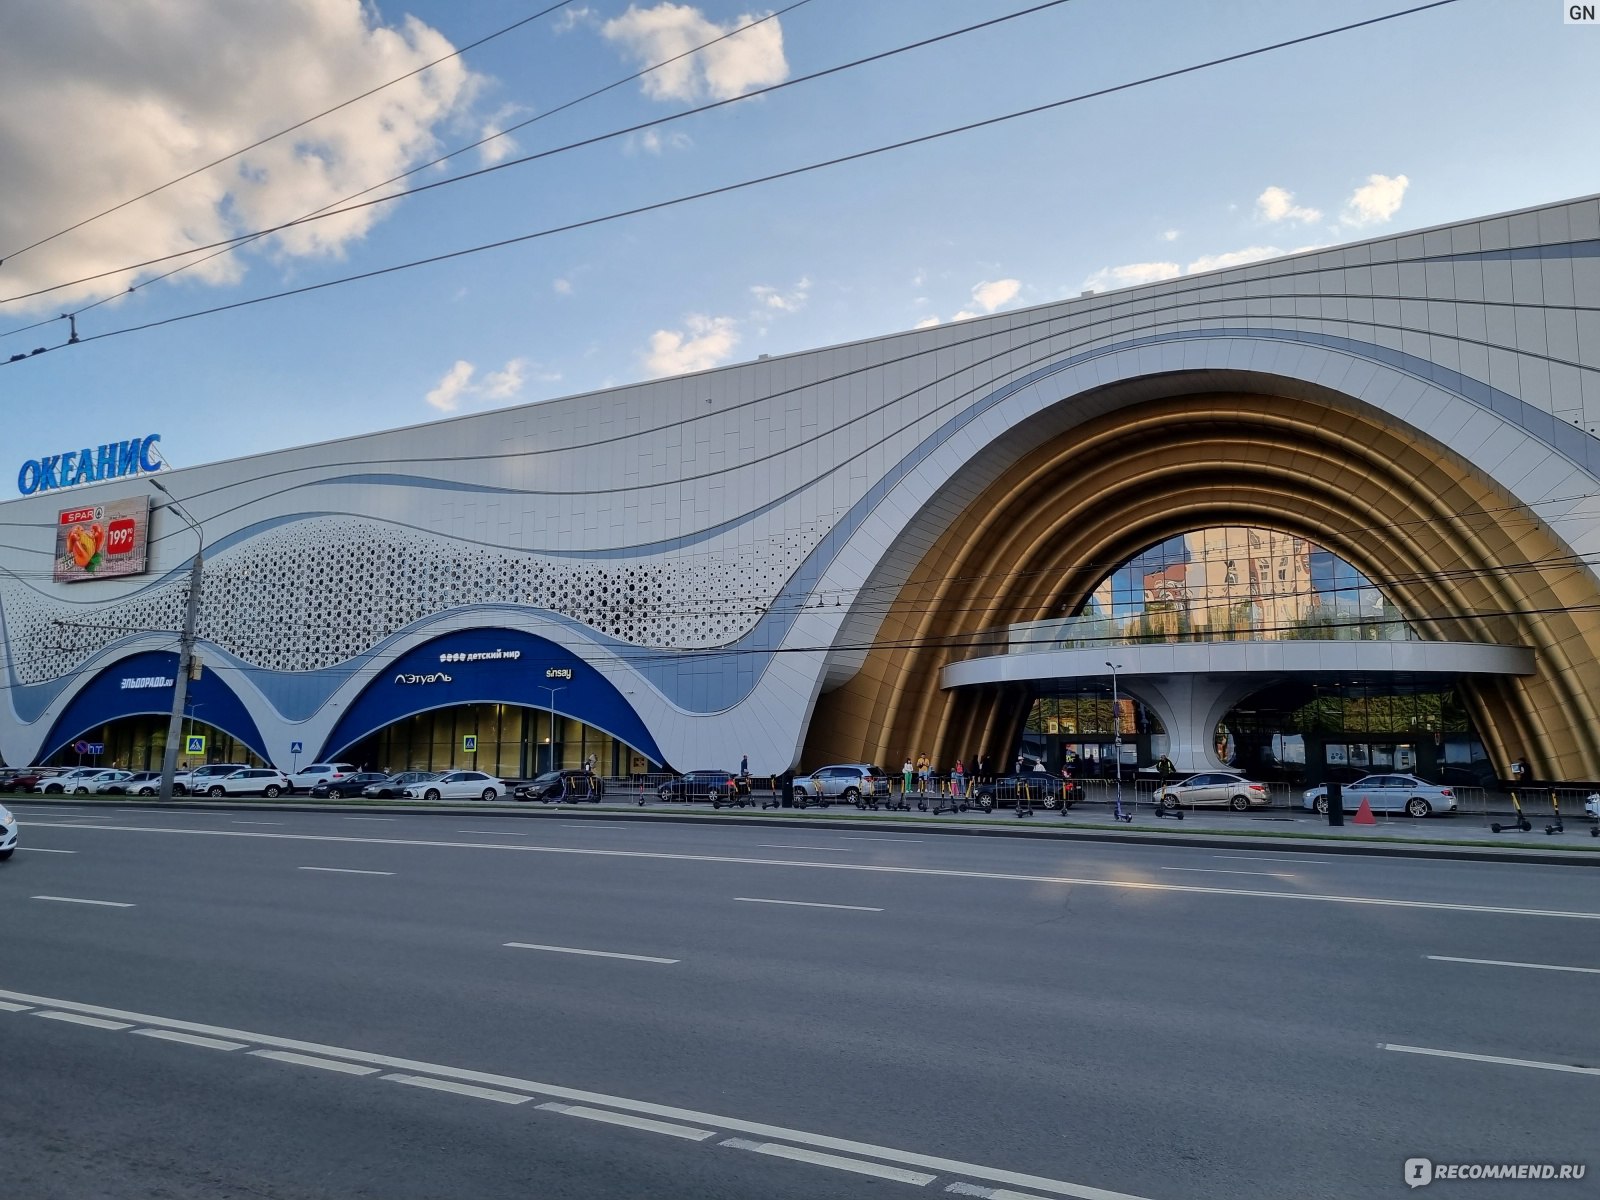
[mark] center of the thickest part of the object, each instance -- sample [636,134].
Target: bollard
[1335,803]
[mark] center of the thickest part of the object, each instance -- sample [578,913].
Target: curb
[1580,856]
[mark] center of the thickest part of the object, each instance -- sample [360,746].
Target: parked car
[25,779]
[572,785]
[699,785]
[8,833]
[199,779]
[308,777]
[458,785]
[1035,787]
[138,783]
[1214,788]
[347,785]
[1591,807]
[67,781]
[1388,793]
[251,781]
[392,786]
[106,780]
[861,784]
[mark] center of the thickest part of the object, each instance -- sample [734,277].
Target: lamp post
[180,685]
[545,687]
[1116,741]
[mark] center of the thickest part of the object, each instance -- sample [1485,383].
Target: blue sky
[1479,107]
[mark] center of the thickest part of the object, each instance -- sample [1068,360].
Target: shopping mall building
[1339,509]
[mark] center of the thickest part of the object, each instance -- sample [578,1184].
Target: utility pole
[1116,737]
[180,685]
[545,687]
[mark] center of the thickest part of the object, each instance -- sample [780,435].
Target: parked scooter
[1521,822]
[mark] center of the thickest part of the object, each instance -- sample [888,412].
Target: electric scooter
[1555,803]
[1521,822]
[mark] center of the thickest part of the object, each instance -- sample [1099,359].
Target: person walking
[907,775]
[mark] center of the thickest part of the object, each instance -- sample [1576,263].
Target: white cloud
[456,384]
[750,59]
[1276,204]
[926,323]
[991,294]
[187,81]
[1375,201]
[703,343]
[562,287]
[652,142]
[501,146]
[791,301]
[1233,258]
[966,314]
[1171,235]
[1130,274]
[573,16]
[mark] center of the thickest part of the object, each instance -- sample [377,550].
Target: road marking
[80,1019]
[1491,1058]
[670,1128]
[307,1060]
[1325,862]
[799,1154]
[756,1129]
[190,1039]
[1495,962]
[972,1189]
[592,953]
[344,871]
[7,1006]
[1191,889]
[830,849]
[491,832]
[856,838]
[371,818]
[1225,871]
[42,850]
[258,822]
[460,1089]
[807,904]
[76,900]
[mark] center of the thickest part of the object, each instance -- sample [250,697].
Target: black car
[350,785]
[1030,787]
[571,786]
[714,786]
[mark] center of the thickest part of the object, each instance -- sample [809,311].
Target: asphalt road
[328,1005]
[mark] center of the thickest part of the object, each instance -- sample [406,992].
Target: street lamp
[180,685]
[1116,740]
[545,687]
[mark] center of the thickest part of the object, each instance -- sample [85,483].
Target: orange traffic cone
[1364,815]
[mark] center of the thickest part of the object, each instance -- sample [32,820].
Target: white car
[199,779]
[1591,807]
[1214,787]
[105,781]
[8,833]
[458,785]
[1387,794]
[252,781]
[68,781]
[307,778]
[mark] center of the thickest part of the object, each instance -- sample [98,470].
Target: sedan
[699,785]
[81,783]
[8,833]
[1388,793]
[130,783]
[26,779]
[568,786]
[252,781]
[1214,788]
[67,781]
[347,785]
[393,786]
[458,785]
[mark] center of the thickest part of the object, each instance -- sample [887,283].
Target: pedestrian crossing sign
[195,743]
[469,743]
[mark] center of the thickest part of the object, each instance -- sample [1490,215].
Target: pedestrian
[908,772]
[744,766]
[1519,771]
[924,767]
[958,779]
[1018,771]
[1038,766]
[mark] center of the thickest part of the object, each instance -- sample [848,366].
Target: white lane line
[189,1039]
[800,1154]
[344,871]
[80,1019]
[78,900]
[1496,962]
[460,1089]
[856,838]
[670,1128]
[7,1006]
[491,833]
[257,822]
[756,1129]
[807,904]
[1264,858]
[830,849]
[43,850]
[1225,871]
[972,1189]
[1192,889]
[591,953]
[1491,1058]
[372,818]
[307,1060]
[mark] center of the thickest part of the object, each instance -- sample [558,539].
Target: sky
[1478,107]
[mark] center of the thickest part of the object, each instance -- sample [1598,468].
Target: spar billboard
[103,541]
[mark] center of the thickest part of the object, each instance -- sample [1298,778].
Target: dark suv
[861,784]
[568,786]
[1029,788]
[716,786]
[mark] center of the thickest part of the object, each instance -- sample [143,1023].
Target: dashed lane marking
[759,1133]
[80,900]
[344,871]
[492,832]
[44,850]
[1495,962]
[372,818]
[460,1089]
[670,1128]
[859,1166]
[80,1019]
[807,904]
[972,1189]
[8,1006]
[1495,1059]
[1226,871]
[189,1039]
[830,849]
[647,958]
[1191,889]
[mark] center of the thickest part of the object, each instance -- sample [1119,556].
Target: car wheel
[179,789]
[490,793]
[271,791]
[663,793]
[1169,802]
[216,792]
[50,790]
[1418,807]
[147,791]
[987,802]
[431,795]
[1239,803]
[80,791]
[1321,805]
[5,854]
[852,796]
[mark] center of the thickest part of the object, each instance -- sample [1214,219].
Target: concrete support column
[1190,706]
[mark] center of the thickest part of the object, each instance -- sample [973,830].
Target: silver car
[1388,793]
[1214,788]
[861,784]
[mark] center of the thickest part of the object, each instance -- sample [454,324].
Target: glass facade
[1073,723]
[138,744]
